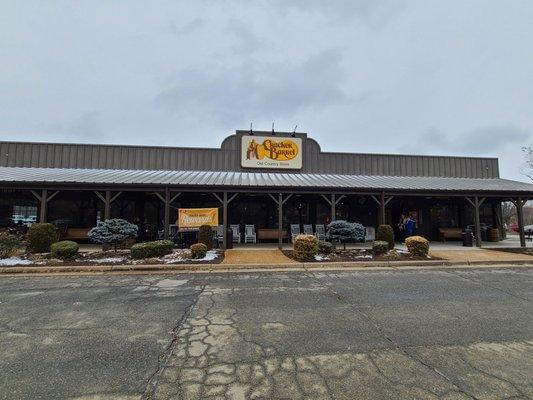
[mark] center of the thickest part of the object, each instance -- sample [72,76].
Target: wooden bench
[75,234]
[450,233]
[271,234]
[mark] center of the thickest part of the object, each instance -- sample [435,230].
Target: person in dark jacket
[410,226]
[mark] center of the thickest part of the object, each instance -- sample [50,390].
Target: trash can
[468,238]
[229,238]
[484,234]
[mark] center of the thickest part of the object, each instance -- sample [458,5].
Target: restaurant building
[269,180]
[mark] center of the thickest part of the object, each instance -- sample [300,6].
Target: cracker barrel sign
[193,218]
[271,152]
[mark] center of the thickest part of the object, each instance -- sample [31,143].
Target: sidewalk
[480,255]
[269,257]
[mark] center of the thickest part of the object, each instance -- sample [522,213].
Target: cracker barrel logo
[271,152]
[282,150]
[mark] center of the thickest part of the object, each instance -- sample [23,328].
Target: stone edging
[247,267]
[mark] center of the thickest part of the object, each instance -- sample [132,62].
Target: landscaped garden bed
[307,248]
[361,255]
[40,247]
[120,257]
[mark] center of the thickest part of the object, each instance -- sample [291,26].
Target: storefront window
[25,215]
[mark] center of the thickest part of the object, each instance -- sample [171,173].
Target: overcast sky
[421,77]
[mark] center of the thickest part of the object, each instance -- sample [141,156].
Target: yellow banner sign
[271,152]
[195,217]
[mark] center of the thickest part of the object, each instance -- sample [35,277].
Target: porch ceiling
[15,176]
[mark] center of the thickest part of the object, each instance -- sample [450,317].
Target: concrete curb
[209,268]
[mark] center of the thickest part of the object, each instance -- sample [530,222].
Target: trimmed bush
[198,250]
[417,245]
[380,247]
[205,236]
[113,232]
[386,234]
[41,236]
[9,245]
[344,231]
[305,247]
[157,248]
[65,249]
[325,247]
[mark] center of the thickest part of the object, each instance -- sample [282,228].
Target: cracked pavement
[411,334]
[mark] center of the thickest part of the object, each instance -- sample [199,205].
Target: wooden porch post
[166,233]
[382,202]
[107,200]
[333,203]
[477,221]
[44,199]
[167,201]
[107,205]
[280,221]
[520,215]
[476,203]
[382,209]
[225,201]
[225,220]
[333,207]
[279,202]
[44,205]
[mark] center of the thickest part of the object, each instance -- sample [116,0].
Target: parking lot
[450,333]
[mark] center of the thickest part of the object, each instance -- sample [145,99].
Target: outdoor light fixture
[294,131]
[273,133]
[251,131]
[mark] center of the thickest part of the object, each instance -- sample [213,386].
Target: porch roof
[20,177]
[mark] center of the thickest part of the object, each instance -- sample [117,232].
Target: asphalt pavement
[443,334]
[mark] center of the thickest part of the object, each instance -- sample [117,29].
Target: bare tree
[527,168]
[508,212]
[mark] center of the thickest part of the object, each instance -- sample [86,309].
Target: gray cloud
[487,140]
[180,29]
[247,42]
[87,125]
[272,89]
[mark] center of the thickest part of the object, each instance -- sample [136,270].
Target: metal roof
[257,180]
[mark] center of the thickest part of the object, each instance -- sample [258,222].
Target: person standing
[410,226]
[401,227]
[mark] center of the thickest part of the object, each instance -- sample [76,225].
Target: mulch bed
[362,255]
[121,257]
[517,250]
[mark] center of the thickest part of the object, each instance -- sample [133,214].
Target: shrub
[113,231]
[65,249]
[198,250]
[41,236]
[344,231]
[205,236]
[380,247]
[417,245]
[157,248]
[9,245]
[325,247]
[386,234]
[305,247]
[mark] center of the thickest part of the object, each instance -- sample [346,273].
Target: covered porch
[270,202]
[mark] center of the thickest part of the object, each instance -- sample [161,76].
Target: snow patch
[320,257]
[174,259]
[209,256]
[8,262]
[109,260]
